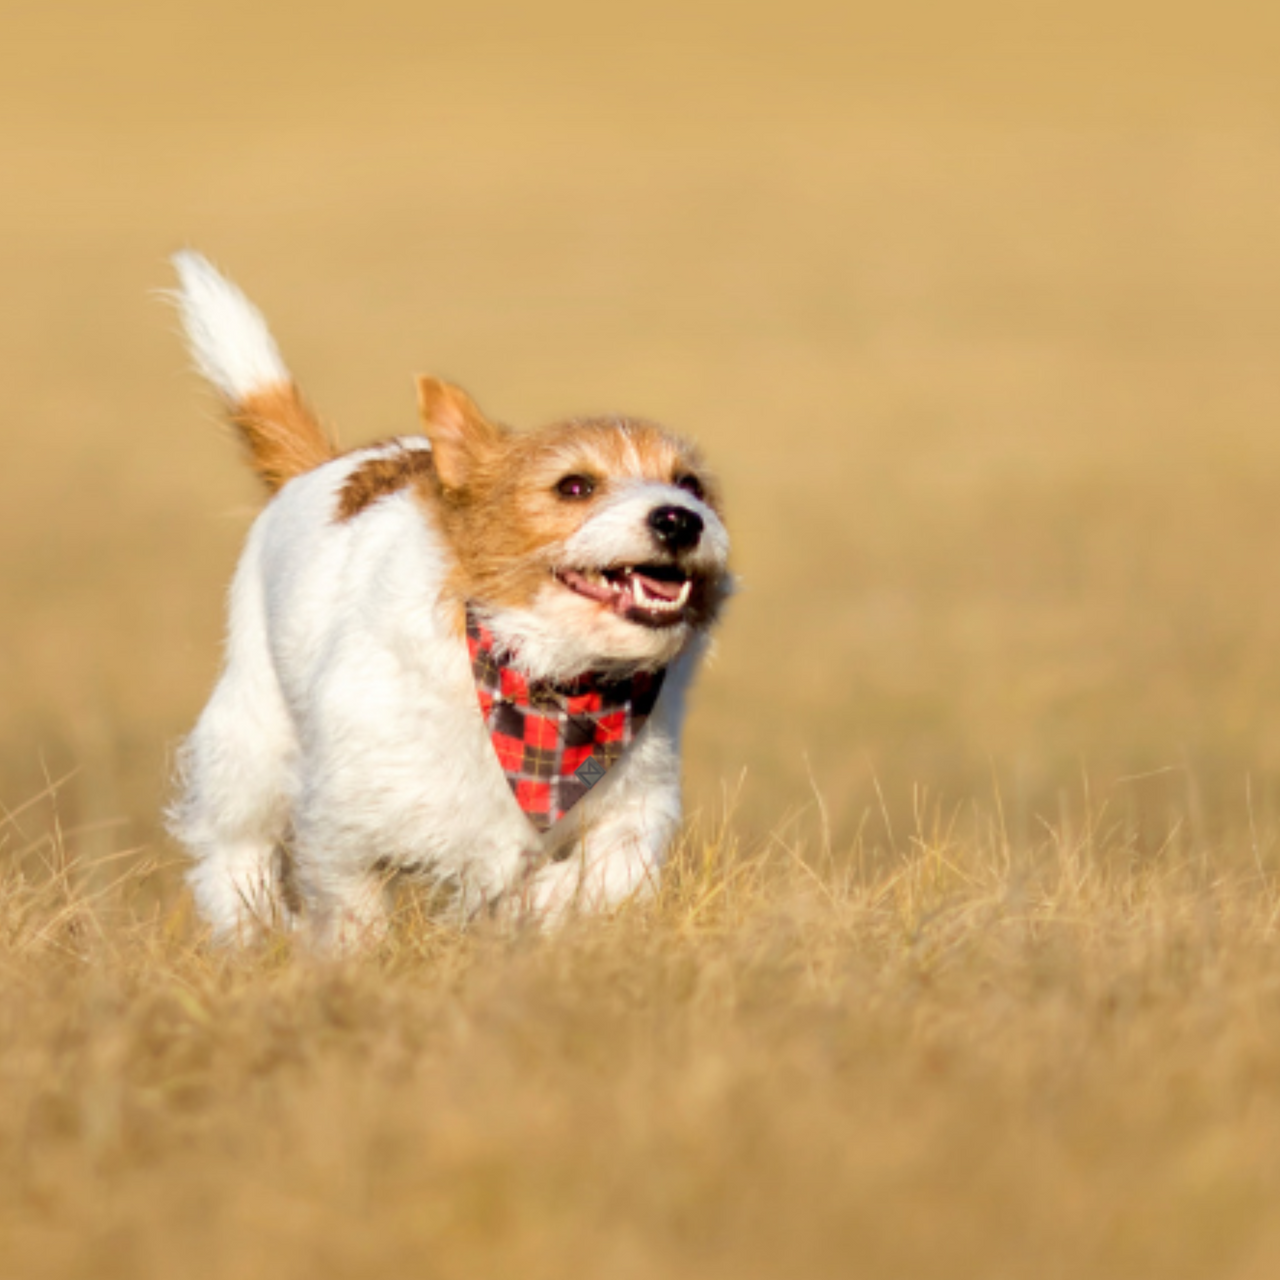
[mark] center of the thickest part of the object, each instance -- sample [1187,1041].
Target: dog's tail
[234,350]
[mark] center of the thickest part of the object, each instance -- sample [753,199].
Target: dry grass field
[969,963]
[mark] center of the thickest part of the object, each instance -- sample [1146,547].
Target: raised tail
[234,350]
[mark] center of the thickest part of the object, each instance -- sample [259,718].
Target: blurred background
[975,308]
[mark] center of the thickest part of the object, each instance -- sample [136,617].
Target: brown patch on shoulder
[283,435]
[378,477]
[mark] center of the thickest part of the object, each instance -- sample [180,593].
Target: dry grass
[978,316]
[950,1057]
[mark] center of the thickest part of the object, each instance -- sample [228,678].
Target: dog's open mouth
[654,595]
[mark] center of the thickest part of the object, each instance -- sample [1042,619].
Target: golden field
[968,964]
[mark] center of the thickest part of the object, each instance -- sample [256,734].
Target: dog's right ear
[460,434]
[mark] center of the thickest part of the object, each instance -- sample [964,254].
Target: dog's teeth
[659,604]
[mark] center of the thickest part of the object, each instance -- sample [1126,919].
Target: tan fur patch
[378,477]
[504,519]
[283,435]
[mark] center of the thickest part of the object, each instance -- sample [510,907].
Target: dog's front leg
[617,837]
[603,871]
[616,842]
[345,906]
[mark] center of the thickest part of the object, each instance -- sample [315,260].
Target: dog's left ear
[460,434]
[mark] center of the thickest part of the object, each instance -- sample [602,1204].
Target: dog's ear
[460,434]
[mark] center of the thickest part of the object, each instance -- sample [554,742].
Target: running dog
[463,654]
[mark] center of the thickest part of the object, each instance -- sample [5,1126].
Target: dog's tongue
[657,587]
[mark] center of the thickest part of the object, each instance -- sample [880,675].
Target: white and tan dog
[347,739]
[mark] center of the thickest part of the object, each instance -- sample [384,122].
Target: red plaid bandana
[555,741]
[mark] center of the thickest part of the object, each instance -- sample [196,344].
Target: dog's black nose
[676,528]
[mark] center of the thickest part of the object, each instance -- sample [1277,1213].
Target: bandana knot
[555,740]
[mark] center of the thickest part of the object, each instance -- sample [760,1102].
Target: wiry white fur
[229,340]
[345,727]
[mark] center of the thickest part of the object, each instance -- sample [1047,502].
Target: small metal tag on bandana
[590,773]
[555,742]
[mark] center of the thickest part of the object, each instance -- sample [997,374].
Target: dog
[463,654]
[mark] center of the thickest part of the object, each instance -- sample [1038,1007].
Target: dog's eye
[690,484]
[576,486]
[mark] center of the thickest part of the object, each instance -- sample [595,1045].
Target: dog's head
[595,544]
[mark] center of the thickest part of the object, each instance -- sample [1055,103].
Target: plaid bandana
[555,741]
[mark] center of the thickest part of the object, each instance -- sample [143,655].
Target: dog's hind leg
[237,783]
[233,812]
